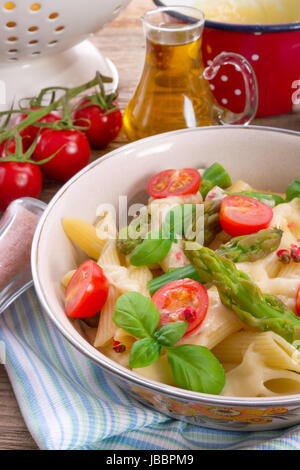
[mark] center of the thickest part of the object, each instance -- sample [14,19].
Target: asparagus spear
[125,242]
[239,293]
[251,247]
[293,190]
[209,223]
[176,274]
[211,220]
[246,248]
[215,175]
[271,200]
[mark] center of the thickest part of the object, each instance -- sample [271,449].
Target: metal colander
[43,43]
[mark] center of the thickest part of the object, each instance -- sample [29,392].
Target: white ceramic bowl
[267,158]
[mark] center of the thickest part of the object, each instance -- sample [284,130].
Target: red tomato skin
[72,158]
[19,180]
[298,302]
[196,288]
[29,134]
[169,178]
[89,297]
[104,128]
[253,216]
[11,147]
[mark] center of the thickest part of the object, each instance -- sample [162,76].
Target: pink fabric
[15,243]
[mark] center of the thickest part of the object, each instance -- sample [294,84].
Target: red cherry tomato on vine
[4,146]
[87,291]
[73,156]
[29,134]
[243,215]
[19,180]
[104,128]
[184,300]
[174,183]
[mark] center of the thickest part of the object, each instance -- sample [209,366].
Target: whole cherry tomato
[243,215]
[183,300]
[19,179]
[174,183]
[73,156]
[105,125]
[29,134]
[87,291]
[7,145]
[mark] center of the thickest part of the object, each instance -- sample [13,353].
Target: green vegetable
[133,235]
[251,247]
[215,175]
[193,220]
[271,200]
[293,190]
[180,219]
[174,275]
[125,244]
[151,250]
[144,352]
[194,367]
[239,293]
[136,314]
[245,248]
[170,334]
[211,220]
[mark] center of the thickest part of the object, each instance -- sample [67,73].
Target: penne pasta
[106,327]
[83,235]
[219,304]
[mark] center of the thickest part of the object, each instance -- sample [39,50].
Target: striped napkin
[68,402]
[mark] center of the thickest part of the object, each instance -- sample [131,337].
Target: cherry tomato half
[29,134]
[104,128]
[87,291]
[73,156]
[184,300]
[298,303]
[174,183]
[242,215]
[19,179]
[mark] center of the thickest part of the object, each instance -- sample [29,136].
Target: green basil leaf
[136,314]
[196,368]
[170,334]
[293,190]
[144,352]
[152,250]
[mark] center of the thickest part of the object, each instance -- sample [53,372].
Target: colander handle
[223,116]
[17,227]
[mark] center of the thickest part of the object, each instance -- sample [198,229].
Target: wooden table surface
[123,43]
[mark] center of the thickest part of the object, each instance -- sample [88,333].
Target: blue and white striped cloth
[69,403]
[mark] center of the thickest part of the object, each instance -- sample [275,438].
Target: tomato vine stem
[36,115]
